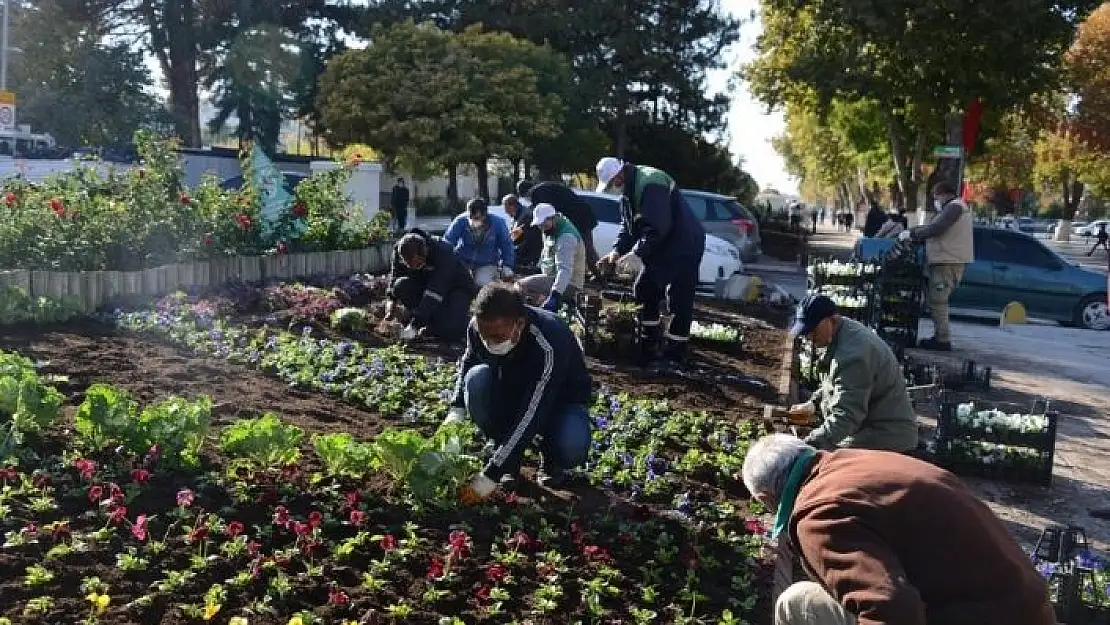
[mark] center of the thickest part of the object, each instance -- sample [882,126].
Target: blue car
[1013,266]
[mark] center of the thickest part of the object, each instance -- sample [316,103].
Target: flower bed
[141,511]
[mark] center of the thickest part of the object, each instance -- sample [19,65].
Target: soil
[83,353]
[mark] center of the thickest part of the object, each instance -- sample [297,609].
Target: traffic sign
[948,151]
[7,97]
[7,116]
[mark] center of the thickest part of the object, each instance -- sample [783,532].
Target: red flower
[338,597]
[510,497]
[86,467]
[117,514]
[755,526]
[253,547]
[521,540]
[281,516]
[315,518]
[496,573]
[389,543]
[61,530]
[185,497]
[233,529]
[58,207]
[458,542]
[299,209]
[301,529]
[482,594]
[243,220]
[435,568]
[9,474]
[208,239]
[198,534]
[141,476]
[10,199]
[40,479]
[138,530]
[96,493]
[358,517]
[185,198]
[115,493]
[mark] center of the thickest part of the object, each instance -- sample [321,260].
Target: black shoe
[932,344]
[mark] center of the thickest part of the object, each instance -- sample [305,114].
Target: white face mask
[477,224]
[938,205]
[500,349]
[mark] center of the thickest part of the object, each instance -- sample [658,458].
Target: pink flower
[482,594]
[117,514]
[185,497]
[86,467]
[301,529]
[281,516]
[315,518]
[30,529]
[141,476]
[197,534]
[115,493]
[138,529]
[96,493]
[458,541]
[755,526]
[595,553]
[351,499]
[253,547]
[358,517]
[389,543]
[521,541]
[233,529]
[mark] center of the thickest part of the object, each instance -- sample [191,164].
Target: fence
[92,289]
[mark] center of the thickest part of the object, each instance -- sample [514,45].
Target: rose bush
[82,220]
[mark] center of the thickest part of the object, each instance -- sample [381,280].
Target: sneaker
[552,479]
[510,480]
[932,344]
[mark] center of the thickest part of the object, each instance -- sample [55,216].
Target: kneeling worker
[427,278]
[862,396]
[890,540]
[523,374]
[562,263]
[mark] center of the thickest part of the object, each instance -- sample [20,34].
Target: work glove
[802,414]
[630,263]
[552,302]
[408,333]
[455,415]
[904,236]
[480,488]
[390,310]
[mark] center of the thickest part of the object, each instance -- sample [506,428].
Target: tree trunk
[453,188]
[482,165]
[173,41]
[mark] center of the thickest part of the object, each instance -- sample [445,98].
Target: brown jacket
[898,541]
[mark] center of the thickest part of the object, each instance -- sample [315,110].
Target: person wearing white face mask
[949,248]
[522,375]
[482,243]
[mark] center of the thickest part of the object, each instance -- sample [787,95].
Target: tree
[426,97]
[70,85]
[913,57]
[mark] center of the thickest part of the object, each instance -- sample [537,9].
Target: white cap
[542,213]
[607,169]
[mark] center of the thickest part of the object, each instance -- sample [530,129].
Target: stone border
[787,388]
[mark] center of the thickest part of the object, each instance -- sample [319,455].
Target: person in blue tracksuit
[523,375]
[484,245]
[427,280]
[662,241]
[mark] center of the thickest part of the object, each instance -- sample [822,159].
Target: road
[1076,251]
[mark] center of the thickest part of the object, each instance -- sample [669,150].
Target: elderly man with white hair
[889,540]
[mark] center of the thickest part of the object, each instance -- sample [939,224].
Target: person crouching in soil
[889,540]
[523,375]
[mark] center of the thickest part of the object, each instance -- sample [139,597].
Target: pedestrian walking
[1103,239]
[399,205]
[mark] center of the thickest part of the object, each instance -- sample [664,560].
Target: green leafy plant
[264,441]
[342,455]
[177,426]
[27,405]
[348,319]
[429,467]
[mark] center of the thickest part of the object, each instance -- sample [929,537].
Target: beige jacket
[949,236]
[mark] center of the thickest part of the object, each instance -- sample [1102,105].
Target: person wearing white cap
[562,262]
[662,241]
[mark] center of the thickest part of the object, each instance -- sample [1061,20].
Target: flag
[274,200]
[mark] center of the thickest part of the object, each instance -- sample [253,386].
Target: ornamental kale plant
[264,441]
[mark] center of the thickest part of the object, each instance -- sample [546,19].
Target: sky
[750,126]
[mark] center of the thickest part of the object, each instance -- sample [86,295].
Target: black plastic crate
[1013,455]
[971,377]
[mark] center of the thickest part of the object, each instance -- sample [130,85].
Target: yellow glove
[802,414]
[480,488]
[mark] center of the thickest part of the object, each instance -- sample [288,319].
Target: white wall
[365,186]
[36,170]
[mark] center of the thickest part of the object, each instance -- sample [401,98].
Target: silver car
[728,219]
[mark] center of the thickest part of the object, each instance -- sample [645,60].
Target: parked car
[727,218]
[1077,227]
[1013,266]
[721,258]
[292,179]
[1092,228]
[1026,225]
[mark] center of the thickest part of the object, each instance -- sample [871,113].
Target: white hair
[510,196]
[768,463]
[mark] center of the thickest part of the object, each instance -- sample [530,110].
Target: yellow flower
[99,602]
[238,620]
[210,610]
[296,620]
